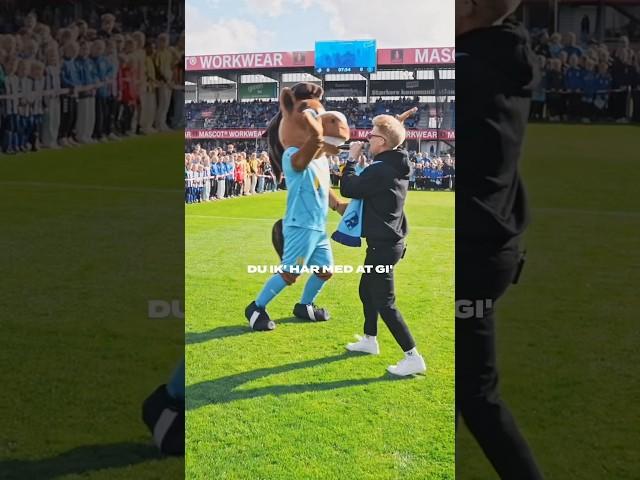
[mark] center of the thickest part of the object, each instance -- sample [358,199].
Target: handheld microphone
[346,146]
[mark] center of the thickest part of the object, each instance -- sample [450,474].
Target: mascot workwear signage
[356,134]
[277,60]
[243,61]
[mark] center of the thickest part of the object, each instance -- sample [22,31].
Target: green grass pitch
[88,236]
[291,404]
[568,334]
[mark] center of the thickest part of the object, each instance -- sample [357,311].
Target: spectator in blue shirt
[555,90]
[103,74]
[539,94]
[555,45]
[603,85]
[574,85]
[571,47]
[589,90]
[228,172]
[88,73]
[70,80]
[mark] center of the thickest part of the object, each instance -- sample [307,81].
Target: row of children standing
[83,86]
[589,84]
[217,175]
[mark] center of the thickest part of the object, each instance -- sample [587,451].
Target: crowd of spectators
[586,82]
[361,115]
[432,172]
[257,113]
[86,81]
[254,114]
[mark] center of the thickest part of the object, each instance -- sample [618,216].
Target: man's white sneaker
[408,366]
[365,344]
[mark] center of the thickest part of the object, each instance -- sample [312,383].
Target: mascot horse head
[291,127]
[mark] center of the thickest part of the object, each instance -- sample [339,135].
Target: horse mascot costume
[300,137]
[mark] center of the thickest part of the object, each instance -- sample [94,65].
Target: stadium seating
[257,114]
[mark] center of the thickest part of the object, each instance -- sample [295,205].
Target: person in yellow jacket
[253,172]
[148,97]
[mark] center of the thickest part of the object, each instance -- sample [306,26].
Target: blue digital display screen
[357,56]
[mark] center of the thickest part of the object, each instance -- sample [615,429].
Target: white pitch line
[77,186]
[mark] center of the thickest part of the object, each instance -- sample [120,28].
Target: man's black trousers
[478,398]
[378,296]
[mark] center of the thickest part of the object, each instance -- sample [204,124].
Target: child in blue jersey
[574,84]
[230,172]
[539,94]
[24,110]
[191,174]
[36,104]
[70,81]
[103,73]
[306,133]
[88,71]
[213,182]
[111,55]
[224,169]
[589,91]
[11,91]
[412,176]
[51,118]
[603,86]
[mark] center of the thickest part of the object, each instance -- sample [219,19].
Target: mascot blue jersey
[307,193]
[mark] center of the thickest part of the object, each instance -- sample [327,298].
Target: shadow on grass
[233,331]
[79,461]
[224,390]
[218,332]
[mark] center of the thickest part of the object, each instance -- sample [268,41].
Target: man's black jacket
[494,79]
[383,186]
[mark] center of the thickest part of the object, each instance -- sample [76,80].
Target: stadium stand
[230,104]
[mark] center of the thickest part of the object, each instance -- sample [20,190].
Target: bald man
[494,80]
